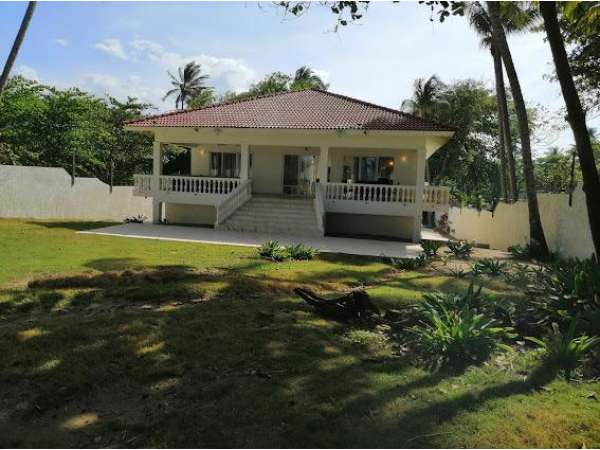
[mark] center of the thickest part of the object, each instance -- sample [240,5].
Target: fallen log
[354,305]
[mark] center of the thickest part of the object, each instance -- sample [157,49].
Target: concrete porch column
[156,172]
[323,164]
[419,189]
[245,162]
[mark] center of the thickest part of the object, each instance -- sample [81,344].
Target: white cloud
[27,72]
[225,73]
[112,47]
[61,41]
[101,80]
[133,86]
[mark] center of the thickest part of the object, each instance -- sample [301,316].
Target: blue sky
[126,48]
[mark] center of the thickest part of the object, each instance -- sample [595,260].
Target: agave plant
[564,351]
[460,249]
[431,248]
[454,332]
[272,250]
[409,263]
[455,338]
[488,266]
[301,252]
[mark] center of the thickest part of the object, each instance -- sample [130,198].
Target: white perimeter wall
[567,228]
[46,193]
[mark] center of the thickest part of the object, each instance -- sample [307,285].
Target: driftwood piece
[354,305]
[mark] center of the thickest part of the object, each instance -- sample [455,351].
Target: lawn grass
[125,342]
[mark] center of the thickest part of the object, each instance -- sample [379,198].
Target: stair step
[275,215]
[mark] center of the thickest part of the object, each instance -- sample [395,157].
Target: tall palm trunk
[501,134]
[504,125]
[537,238]
[576,118]
[16,44]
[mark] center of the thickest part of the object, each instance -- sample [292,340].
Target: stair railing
[235,199]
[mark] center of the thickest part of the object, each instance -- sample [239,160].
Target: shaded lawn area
[126,342]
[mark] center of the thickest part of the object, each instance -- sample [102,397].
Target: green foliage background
[45,126]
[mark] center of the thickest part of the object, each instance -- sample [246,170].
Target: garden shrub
[564,289]
[565,352]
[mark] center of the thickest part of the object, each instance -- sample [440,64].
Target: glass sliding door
[373,169]
[298,174]
[226,165]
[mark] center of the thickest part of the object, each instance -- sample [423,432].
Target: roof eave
[153,128]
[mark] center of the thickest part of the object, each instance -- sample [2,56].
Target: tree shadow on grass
[74,225]
[246,366]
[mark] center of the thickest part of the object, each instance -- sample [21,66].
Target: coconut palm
[426,97]
[576,118]
[189,84]
[536,231]
[514,19]
[306,78]
[12,56]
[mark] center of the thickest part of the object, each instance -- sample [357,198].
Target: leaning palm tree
[426,97]
[536,231]
[306,78]
[514,19]
[575,112]
[14,51]
[189,84]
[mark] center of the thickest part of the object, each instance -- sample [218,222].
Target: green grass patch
[115,342]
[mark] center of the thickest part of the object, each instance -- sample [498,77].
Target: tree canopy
[46,126]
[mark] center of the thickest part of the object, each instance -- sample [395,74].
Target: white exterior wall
[46,193]
[567,229]
[266,170]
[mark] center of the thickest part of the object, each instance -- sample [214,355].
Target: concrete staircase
[277,215]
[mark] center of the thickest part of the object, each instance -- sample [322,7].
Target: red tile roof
[309,109]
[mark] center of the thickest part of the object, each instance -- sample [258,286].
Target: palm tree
[536,232]
[12,56]
[576,118]
[426,97]
[189,84]
[514,19]
[306,78]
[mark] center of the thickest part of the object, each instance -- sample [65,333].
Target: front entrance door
[298,174]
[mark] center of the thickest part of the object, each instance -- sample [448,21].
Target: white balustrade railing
[142,184]
[436,196]
[370,192]
[319,203]
[198,185]
[233,201]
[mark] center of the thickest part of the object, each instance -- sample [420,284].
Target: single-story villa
[309,162]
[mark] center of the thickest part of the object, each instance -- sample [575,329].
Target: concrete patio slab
[365,247]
